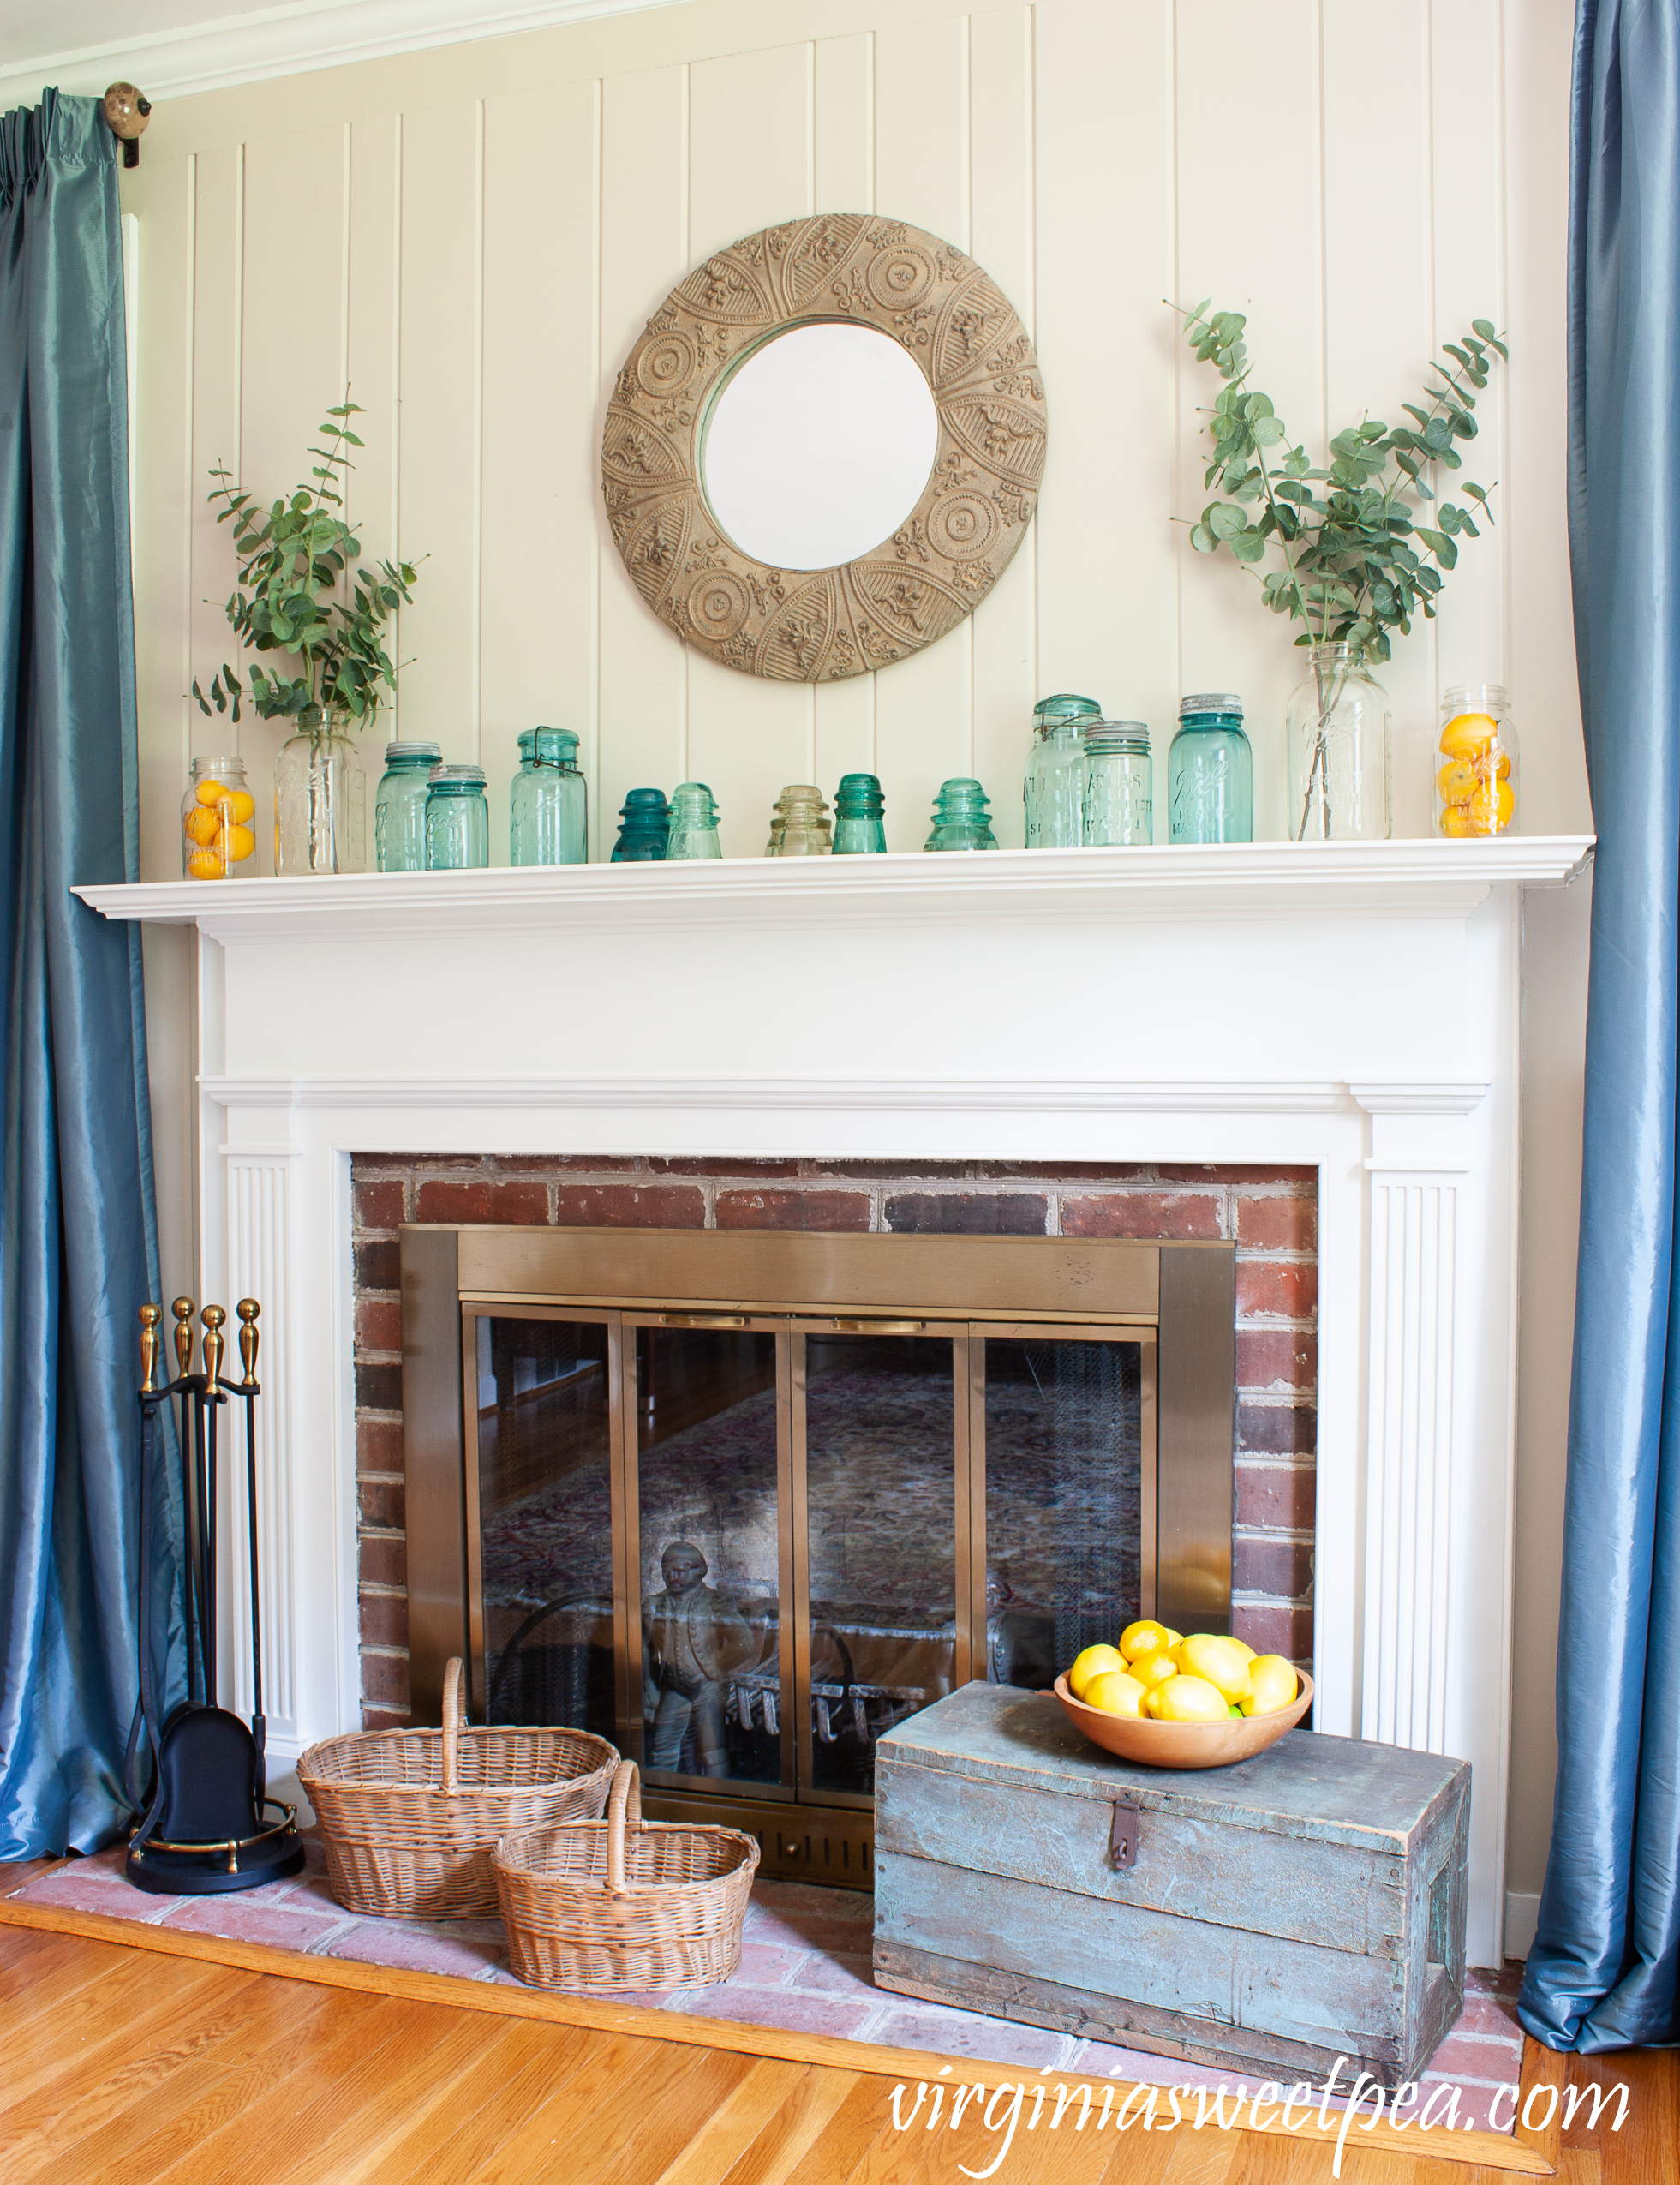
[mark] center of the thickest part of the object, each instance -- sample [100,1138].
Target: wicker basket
[410,1817]
[643,1906]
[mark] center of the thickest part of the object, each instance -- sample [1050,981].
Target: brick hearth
[1271,1214]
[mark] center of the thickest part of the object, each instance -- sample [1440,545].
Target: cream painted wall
[472,235]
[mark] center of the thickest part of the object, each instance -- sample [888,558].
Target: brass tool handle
[150,1318]
[214,1344]
[183,1310]
[247,1308]
[703,1319]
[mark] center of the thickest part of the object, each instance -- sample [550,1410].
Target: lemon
[1188,1699]
[1459,780]
[1244,1648]
[1095,1661]
[201,825]
[238,804]
[1486,811]
[1158,1667]
[1467,735]
[1221,1661]
[1115,1693]
[238,844]
[204,864]
[1274,1686]
[1144,1637]
[210,792]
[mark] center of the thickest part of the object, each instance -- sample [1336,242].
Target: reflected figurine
[693,1639]
[1020,1638]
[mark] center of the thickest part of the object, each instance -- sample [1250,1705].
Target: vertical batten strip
[395,427]
[477,673]
[597,817]
[188,405]
[685,223]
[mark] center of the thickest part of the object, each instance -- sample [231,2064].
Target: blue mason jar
[547,805]
[457,820]
[399,807]
[1210,772]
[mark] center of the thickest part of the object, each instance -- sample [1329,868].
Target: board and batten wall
[471,237]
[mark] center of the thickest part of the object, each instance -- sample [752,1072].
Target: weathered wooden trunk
[1304,1905]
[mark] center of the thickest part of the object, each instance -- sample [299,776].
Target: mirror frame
[813,626]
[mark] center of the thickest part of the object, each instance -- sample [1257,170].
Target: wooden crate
[1304,1905]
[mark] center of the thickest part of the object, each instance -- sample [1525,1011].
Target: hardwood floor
[127,2066]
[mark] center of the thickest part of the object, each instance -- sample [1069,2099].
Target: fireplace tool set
[204,1828]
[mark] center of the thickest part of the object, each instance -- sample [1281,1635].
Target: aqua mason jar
[320,803]
[961,818]
[644,827]
[1337,726]
[548,802]
[1210,772]
[457,820]
[859,827]
[1054,788]
[694,824]
[1119,784]
[399,807]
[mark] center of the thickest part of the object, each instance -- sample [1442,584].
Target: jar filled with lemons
[1475,762]
[217,836]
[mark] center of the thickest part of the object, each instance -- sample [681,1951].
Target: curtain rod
[128,112]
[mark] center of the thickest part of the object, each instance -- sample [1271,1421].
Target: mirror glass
[819,445]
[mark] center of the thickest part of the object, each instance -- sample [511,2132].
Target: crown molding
[290,40]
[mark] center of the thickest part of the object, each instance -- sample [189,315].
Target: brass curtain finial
[214,1343]
[128,112]
[248,1310]
[150,1315]
[183,1310]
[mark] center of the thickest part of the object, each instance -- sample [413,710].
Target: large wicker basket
[410,1817]
[625,1903]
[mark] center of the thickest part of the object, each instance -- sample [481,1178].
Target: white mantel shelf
[1421,879]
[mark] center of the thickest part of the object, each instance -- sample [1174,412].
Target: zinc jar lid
[394,754]
[1116,735]
[1210,701]
[457,778]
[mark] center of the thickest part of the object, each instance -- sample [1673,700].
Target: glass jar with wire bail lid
[1119,784]
[548,801]
[1053,789]
[457,820]
[399,807]
[1210,772]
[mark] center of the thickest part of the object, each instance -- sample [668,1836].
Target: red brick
[711,1166]
[1284,1290]
[378,1387]
[568,1165]
[810,1209]
[1067,1171]
[379,1504]
[384,1677]
[968,1213]
[1140,1214]
[1277,1494]
[1276,1358]
[1268,1563]
[1280,1222]
[1212,1172]
[382,1560]
[1278,1429]
[622,1205]
[379,1324]
[438,1202]
[378,1265]
[384,1718]
[378,1444]
[1274,1629]
[379,1205]
[384,1618]
[893,1171]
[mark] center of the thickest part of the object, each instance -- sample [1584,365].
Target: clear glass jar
[548,801]
[799,823]
[644,828]
[1119,783]
[1210,772]
[216,835]
[694,824]
[320,803]
[1338,724]
[1054,788]
[961,816]
[859,828]
[399,807]
[1476,762]
[457,820]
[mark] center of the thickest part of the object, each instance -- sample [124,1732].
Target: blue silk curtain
[1602,1972]
[78,1248]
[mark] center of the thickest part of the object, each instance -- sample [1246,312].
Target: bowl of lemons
[1173,1702]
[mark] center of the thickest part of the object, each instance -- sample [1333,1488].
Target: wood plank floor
[127,2066]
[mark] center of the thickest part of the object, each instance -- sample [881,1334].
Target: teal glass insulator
[399,807]
[1053,789]
[548,802]
[1210,772]
[694,824]
[644,828]
[961,818]
[457,820]
[859,828]
[1119,786]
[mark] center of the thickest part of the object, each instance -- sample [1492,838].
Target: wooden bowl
[1184,1744]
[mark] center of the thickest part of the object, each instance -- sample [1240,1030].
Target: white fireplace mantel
[1354,1007]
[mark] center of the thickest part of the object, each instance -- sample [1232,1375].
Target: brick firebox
[1271,1214]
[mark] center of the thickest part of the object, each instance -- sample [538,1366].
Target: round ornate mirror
[825,447]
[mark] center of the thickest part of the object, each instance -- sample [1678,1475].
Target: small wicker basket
[624,1903]
[410,1817]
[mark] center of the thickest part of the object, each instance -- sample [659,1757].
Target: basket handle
[624,1801]
[454,1714]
